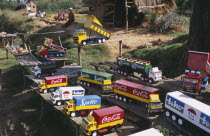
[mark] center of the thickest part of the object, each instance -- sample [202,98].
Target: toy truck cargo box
[44,67]
[148,132]
[107,116]
[87,100]
[133,90]
[50,83]
[189,109]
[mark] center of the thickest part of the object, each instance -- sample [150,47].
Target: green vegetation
[166,57]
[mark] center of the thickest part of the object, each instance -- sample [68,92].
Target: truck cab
[36,71]
[155,75]
[69,106]
[107,86]
[79,36]
[89,125]
[155,104]
[55,97]
[42,85]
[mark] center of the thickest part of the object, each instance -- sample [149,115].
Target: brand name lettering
[120,87]
[84,75]
[91,102]
[96,78]
[140,93]
[57,81]
[205,121]
[175,104]
[114,117]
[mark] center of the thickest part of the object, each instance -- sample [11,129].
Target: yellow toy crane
[93,24]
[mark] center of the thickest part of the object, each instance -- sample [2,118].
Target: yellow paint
[43,85]
[79,36]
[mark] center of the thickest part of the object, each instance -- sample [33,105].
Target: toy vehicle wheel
[73,114]
[88,84]
[125,73]
[120,98]
[180,122]
[59,103]
[118,71]
[167,114]
[99,41]
[94,133]
[45,56]
[57,55]
[38,75]
[116,96]
[125,100]
[84,43]
[149,111]
[173,117]
[151,81]
[113,129]
[103,40]
[61,55]
[142,79]
[45,91]
[52,74]
[81,82]
[85,83]
[146,105]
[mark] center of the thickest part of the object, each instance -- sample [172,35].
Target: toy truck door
[199,61]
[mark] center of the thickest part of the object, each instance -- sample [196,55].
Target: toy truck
[102,120]
[89,77]
[148,132]
[130,65]
[44,68]
[193,81]
[184,109]
[50,84]
[82,105]
[66,93]
[126,90]
[91,23]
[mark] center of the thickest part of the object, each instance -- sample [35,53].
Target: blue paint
[205,120]
[175,104]
[87,100]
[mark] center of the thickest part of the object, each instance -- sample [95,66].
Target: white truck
[184,109]
[66,93]
[148,132]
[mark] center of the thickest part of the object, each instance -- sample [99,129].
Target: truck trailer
[102,120]
[184,109]
[148,132]
[82,105]
[44,68]
[89,77]
[126,90]
[131,65]
[66,93]
[50,84]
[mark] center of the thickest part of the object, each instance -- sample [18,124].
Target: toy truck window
[70,106]
[191,80]
[91,125]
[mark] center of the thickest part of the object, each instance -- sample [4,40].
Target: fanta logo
[96,78]
[142,93]
[91,102]
[84,75]
[112,118]
[120,87]
[191,114]
[56,81]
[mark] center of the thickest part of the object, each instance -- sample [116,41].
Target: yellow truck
[102,121]
[93,24]
[81,105]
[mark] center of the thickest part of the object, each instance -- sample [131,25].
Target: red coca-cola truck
[49,84]
[103,120]
[125,90]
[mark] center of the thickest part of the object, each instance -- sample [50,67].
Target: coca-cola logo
[57,81]
[120,87]
[114,117]
[140,93]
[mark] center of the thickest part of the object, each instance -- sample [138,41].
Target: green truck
[89,78]
[130,65]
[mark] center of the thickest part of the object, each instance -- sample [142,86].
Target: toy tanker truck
[102,120]
[82,105]
[44,68]
[91,23]
[184,109]
[89,77]
[50,84]
[130,65]
[126,90]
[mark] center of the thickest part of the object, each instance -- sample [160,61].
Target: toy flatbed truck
[82,105]
[130,65]
[44,68]
[102,120]
[91,23]
[126,90]
[50,84]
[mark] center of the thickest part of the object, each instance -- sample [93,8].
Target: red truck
[125,90]
[103,120]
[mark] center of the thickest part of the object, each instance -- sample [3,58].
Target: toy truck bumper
[53,100]
[84,131]
[66,111]
[156,110]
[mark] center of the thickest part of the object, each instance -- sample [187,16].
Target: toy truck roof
[55,77]
[148,132]
[151,90]
[127,83]
[87,97]
[93,72]
[87,100]
[71,88]
[191,102]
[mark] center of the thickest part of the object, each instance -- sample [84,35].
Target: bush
[7,5]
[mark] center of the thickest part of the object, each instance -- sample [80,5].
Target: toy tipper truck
[66,93]
[50,84]
[91,23]
[130,65]
[89,77]
[184,109]
[82,105]
[148,132]
[126,90]
[102,120]
[44,68]
[193,80]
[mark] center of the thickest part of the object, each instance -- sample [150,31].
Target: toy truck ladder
[51,43]
[138,61]
[93,23]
